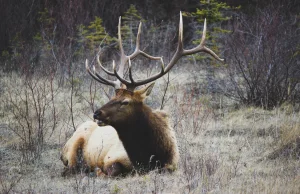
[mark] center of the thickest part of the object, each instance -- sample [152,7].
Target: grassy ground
[228,150]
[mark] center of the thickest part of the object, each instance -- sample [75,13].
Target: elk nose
[97,114]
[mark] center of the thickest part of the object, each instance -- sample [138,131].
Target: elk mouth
[101,123]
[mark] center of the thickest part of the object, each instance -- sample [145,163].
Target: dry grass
[222,150]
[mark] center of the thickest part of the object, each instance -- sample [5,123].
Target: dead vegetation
[227,150]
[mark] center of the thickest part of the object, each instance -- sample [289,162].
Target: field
[224,147]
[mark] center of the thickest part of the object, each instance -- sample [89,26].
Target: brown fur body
[146,134]
[100,148]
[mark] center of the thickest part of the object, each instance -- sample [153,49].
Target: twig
[165,92]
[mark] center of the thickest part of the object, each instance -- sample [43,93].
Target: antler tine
[201,47]
[179,52]
[98,78]
[203,34]
[180,34]
[103,68]
[120,79]
[138,37]
[130,73]
[120,73]
[137,50]
[89,71]
[120,37]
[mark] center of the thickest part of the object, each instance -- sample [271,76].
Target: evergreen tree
[96,34]
[215,13]
[92,36]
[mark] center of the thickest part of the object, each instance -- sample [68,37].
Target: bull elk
[147,136]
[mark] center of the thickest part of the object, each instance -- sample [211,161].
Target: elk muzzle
[99,115]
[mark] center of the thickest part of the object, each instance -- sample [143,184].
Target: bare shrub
[8,183]
[74,84]
[31,111]
[198,171]
[263,57]
[191,113]
[84,184]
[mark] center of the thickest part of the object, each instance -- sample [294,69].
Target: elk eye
[125,102]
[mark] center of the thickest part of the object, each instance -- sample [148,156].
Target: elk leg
[115,169]
[99,172]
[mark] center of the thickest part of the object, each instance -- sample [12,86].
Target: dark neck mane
[146,138]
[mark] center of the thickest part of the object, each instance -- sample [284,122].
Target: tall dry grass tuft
[290,132]
[289,144]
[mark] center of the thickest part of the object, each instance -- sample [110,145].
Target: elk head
[123,107]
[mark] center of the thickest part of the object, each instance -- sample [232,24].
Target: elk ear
[146,91]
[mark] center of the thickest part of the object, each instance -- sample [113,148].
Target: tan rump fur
[100,146]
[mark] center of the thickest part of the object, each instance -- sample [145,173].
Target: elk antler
[132,84]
